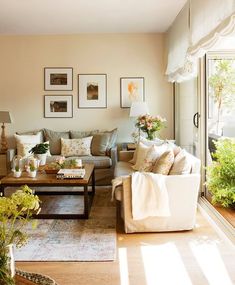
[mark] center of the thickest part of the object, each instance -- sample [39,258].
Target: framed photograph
[58,78]
[132,89]
[92,91]
[60,106]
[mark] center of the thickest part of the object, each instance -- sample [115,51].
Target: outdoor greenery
[221,174]
[40,148]
[222,86]
[15,214]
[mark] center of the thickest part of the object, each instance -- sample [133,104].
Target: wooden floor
[197,257]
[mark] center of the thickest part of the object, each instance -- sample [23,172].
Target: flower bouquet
[150,125]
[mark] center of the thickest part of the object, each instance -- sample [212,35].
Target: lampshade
[5,117]
[138,109]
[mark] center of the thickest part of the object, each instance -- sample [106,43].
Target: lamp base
[4,146]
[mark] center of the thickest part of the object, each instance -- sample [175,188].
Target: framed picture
[60,106]
[132,89]
[92,91]
[58,79]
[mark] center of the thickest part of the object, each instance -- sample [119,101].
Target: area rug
[75,240]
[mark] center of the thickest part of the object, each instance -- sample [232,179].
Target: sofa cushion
[76,147]
[54,140]
[113,137]
[35,132]
[164,163]
[25,142]
[100,143]
[83,134]
[123,168]
[182,164]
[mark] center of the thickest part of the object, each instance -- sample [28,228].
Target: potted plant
[221,173]
[40,151]
[17,171]
[15,213]
[150,125]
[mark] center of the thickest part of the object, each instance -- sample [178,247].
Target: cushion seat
[99,161]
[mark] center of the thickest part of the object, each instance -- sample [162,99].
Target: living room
[115,43]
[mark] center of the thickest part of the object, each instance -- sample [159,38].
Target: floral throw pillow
[73,147]
[152,155]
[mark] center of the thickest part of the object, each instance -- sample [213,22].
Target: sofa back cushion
[54,139]
[83,134]
[73,147]
[99,144]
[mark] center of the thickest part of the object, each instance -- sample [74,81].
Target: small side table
[3,164]
[128,146]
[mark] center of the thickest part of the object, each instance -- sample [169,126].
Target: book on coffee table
[71,173]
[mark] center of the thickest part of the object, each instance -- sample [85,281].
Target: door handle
[196,117]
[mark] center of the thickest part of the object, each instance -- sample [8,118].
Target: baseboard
[219,223]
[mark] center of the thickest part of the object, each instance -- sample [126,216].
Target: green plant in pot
[221,173]
[15,213]
[40,151]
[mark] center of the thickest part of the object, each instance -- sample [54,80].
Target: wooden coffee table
[49,180]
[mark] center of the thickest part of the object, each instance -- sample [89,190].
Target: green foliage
[221,174]
[40,148]
[15,214]
[17,168]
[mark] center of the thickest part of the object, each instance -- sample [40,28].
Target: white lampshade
[5,117]
[138,109]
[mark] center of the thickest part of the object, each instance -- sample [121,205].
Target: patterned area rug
[75,240]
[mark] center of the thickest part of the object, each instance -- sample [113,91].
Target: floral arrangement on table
[150,125]
[15,214]
[61,163]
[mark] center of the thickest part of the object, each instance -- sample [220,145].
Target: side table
[27,278]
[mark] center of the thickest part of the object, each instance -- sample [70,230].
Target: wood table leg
[86,202]
[93,182]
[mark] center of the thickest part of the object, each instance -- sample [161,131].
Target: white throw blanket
[149,196]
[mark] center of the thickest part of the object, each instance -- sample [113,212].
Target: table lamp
[138,109]
[5,117]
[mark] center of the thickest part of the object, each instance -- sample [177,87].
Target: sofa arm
[112,153]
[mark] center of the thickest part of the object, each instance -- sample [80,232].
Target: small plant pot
[32,173]
[42,158]
[17,174]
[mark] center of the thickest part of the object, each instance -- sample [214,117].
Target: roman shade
[200,26]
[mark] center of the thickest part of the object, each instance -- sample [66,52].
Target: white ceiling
[87,16]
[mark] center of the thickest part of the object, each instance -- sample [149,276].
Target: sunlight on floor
[123,266]
[163,265]
[210,261]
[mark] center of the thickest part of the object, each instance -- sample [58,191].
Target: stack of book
[71,173]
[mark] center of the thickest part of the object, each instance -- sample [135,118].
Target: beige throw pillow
[164,163]
[73,147]
[140,155]
[25,142]
[182,164]
[152,155]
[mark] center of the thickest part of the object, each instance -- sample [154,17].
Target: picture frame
[58,78]
[131,89]
[92,91]
[58,106]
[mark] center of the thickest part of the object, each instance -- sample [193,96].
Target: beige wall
[23,58]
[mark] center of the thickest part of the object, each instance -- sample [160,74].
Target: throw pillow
[182,164]
[83,134]
[151,156]
[54,139]
[113,137]
[164,163]
[141,155]
[74,147]
[35,132]
[100,143]
[25,142]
